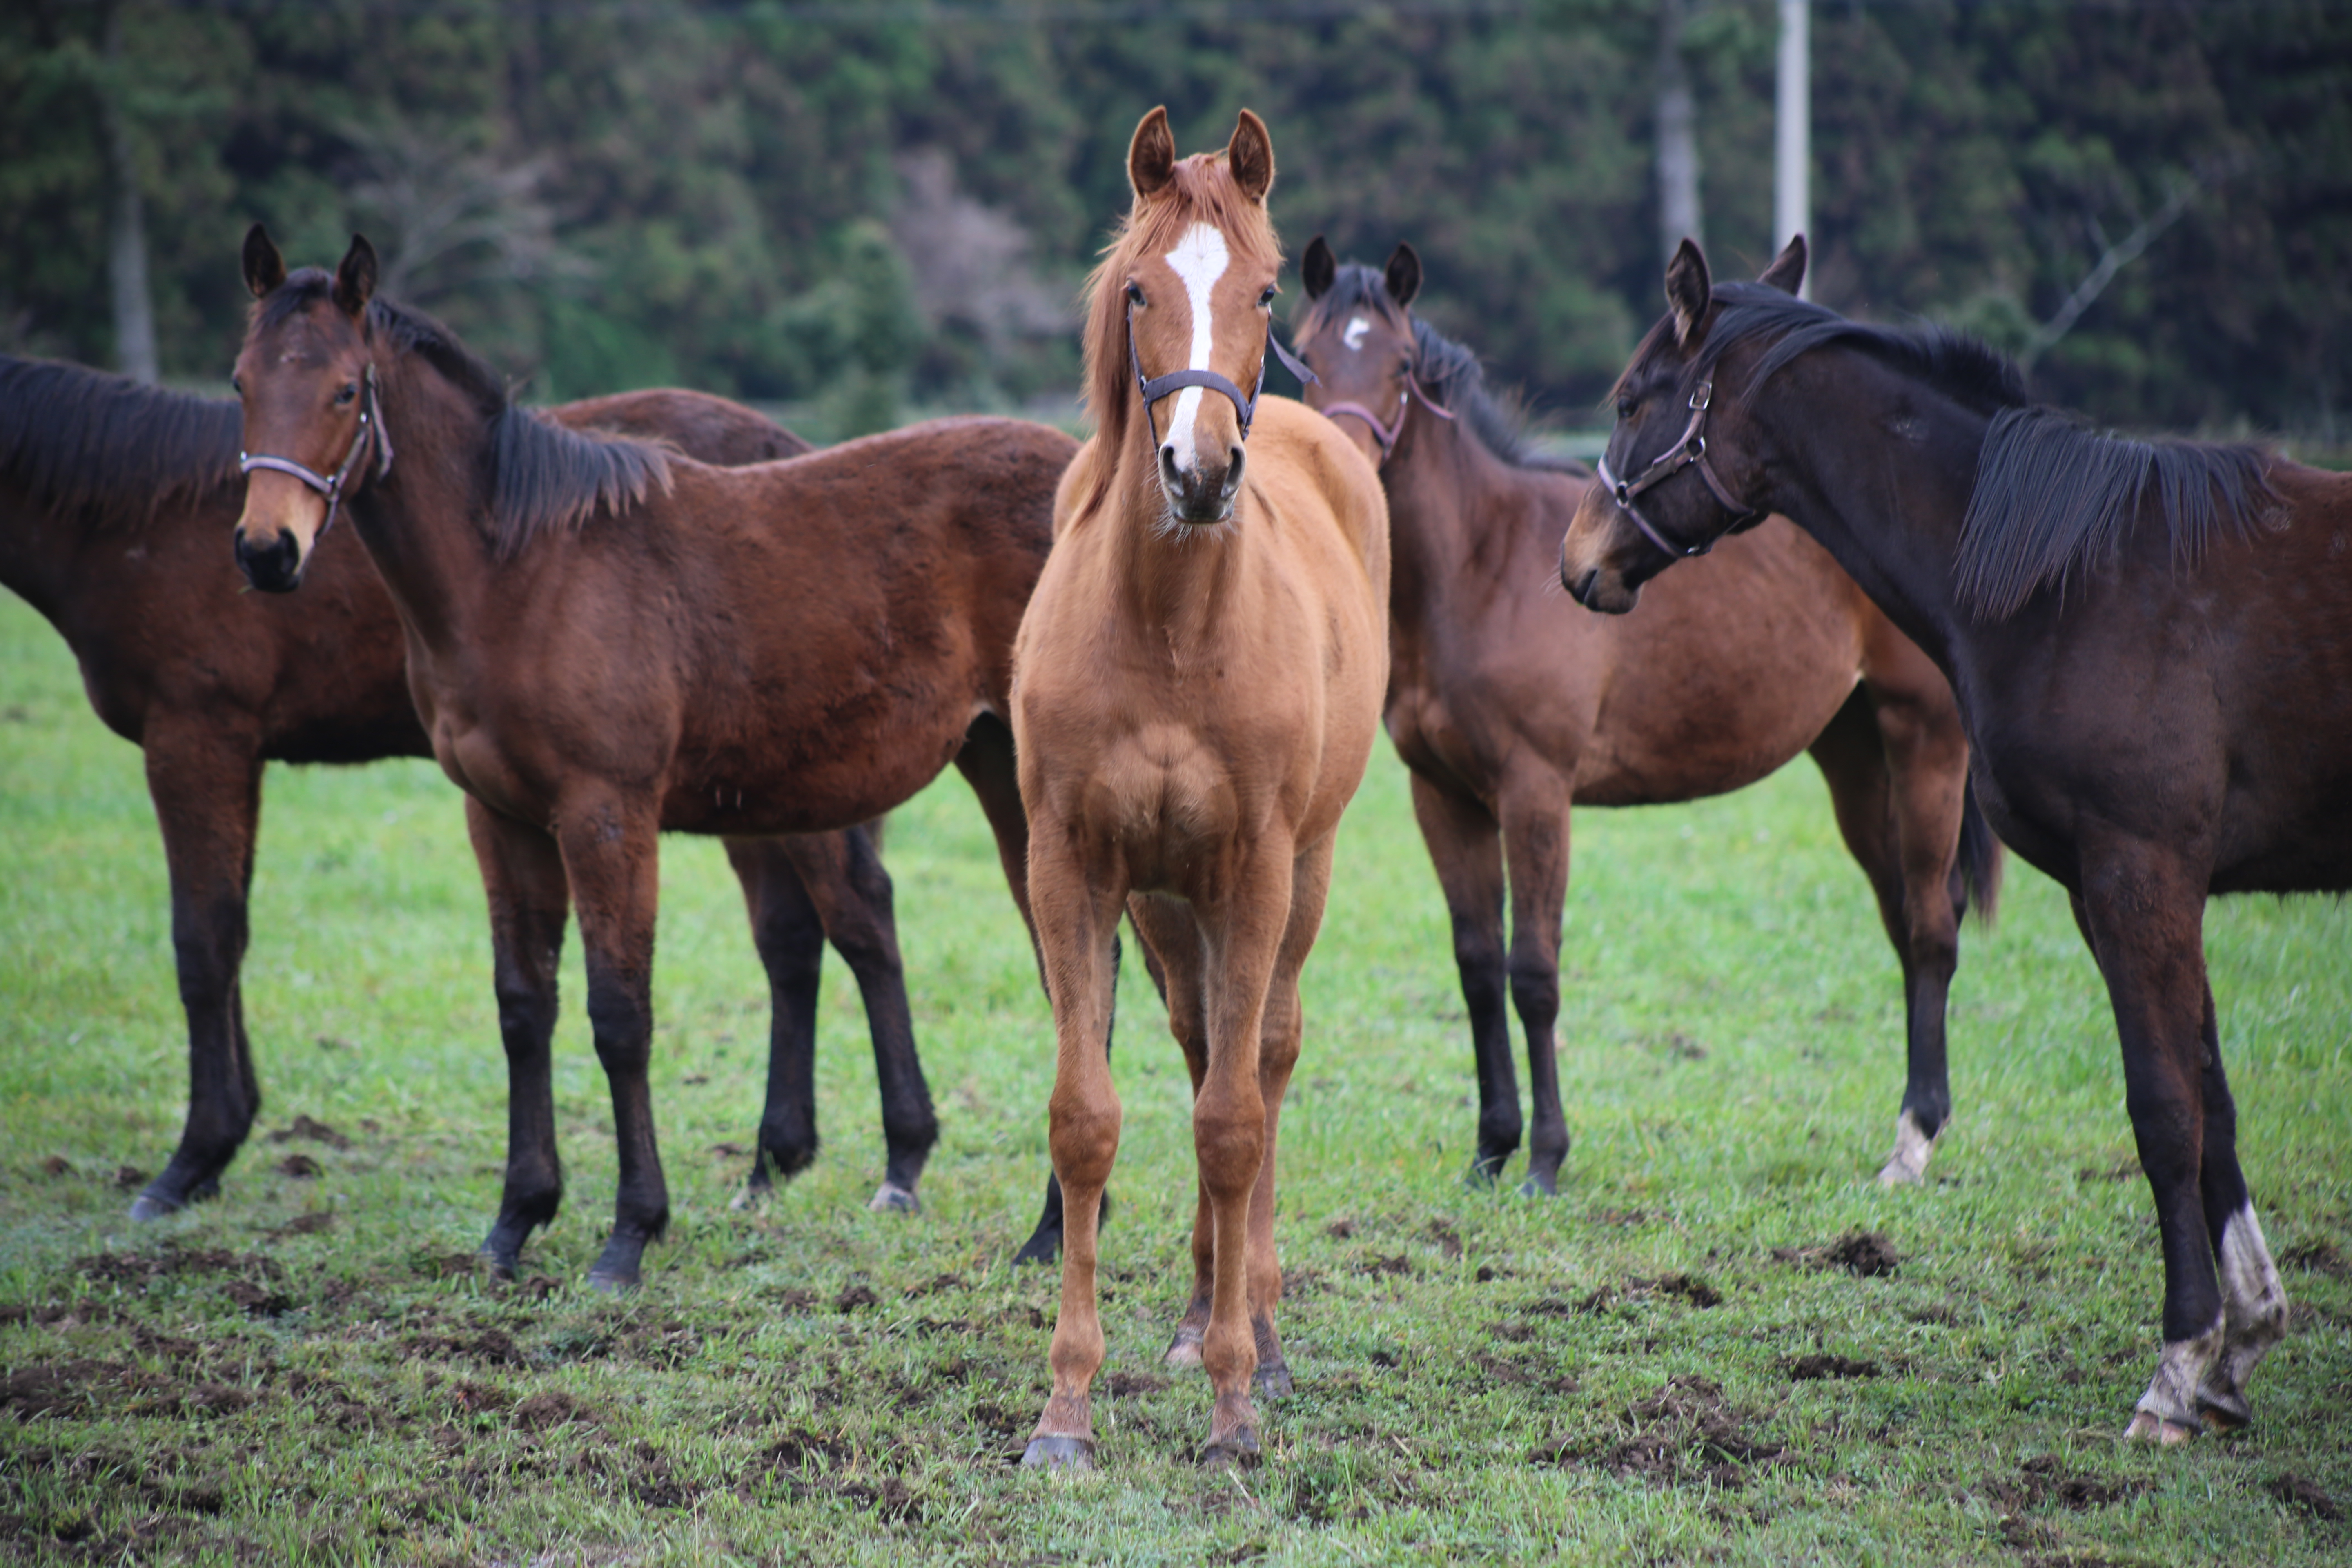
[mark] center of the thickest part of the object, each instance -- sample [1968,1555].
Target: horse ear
[1250,156]
[1688,291]
[355,278]
[264,267]
[1788,269]
[1151,155]
[1403,275]
[1318,268]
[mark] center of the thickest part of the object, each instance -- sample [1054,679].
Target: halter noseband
[1688,450]
[1389,435]
[1160,387]
[331,485]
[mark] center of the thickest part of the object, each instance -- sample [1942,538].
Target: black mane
[1448,370]
[104,447]
[542,476]
[2053,496]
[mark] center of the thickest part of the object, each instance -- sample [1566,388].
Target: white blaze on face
[1354,336]
[1198,260]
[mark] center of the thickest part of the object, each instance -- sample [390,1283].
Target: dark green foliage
[802,203]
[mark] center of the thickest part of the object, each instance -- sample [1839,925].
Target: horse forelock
[83,443]
[1202,191]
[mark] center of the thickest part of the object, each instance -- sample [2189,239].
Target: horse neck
[40,551]
[417,522]
[1456,532]
[1886,507]
[1175,582]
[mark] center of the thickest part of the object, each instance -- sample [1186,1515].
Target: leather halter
[1688,450]
[1389,435]
[1160,387]
[331,485]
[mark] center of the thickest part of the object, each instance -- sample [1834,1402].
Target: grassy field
[1665,1364]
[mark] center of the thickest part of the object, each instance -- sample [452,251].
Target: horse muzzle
[1200,495]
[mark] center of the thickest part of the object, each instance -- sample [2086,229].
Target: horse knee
[620,1016]
[1084,1142]
[1230,1148]
[1535,989]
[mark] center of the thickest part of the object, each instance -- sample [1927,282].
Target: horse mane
[1202,191]
[543,478]
[1450,371]
[2053,496]
[107,448]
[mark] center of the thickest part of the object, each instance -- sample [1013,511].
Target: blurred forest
[859,208]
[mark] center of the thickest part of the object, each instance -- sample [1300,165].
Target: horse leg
[2253,1304]
[1171,947]
[1284,1025]
[1466,847]
[1078,920]
[845,880]
[207,793]
[789,937]
[987,764]
[1536,847]
[523,878]
[2144,911]
[1897,791]
[611,854]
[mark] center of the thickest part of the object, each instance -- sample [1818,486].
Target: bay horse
[1508,712]
[2152,646]
[1197,692]
[607,640]
[114,499]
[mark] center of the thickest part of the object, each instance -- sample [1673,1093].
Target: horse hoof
[1184,1349]
[1273,1381]
[1076,1454]
[1540,1186]
[1043,1248]
[2147,1426]
[501,1265]
[611,1283]
[892,1198]
[2225,1411]
[151,1204]
[1238,1447]
[1896,1173]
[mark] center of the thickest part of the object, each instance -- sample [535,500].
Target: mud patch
[2296,1492]
[1684,1433]
[2046,1480]
[1128,1384]
[1867,1253]
[306,1131]
[855,1298]
[2317,1258]
[1445,1238]
[1378,1268]
[315,1223]
[56,1165]
[1815,1368]
[141,1270]
[545,1412]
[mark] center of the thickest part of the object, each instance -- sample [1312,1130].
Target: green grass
[1480,1377]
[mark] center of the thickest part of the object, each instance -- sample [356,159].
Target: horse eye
[1134,294]
[344,393]
[1624,408]
[237,385]
[1266,299]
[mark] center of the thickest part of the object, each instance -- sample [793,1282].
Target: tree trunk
[134,310]
[1677,136]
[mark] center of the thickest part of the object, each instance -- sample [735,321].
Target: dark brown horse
[1509,712]
[114,499]
[606,641]
[2152,645]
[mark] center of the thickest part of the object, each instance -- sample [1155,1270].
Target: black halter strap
[1160,387]
[1690,450]
[1389,435]
[331,485]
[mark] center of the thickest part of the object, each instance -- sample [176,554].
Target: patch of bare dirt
[1867,1253]
[1127,1385]
[2317,1258]
[545,1412]
[316,1222]
[2046,1480]
[141,1270]
[1684,1433]
[308,1131]
[2296,1492]
[856,1297]
[1340,1229]
[56,1165]
[1445,1238]
[1815,1368]
[130,1177]
[1378,1267]
[301,1167]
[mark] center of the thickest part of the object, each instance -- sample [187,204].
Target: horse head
[1358,335]
[305,379]
[1647,513]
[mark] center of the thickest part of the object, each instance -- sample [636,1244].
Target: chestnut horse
[606,641]
[113,500]
[1199,686]
[2152,645]
[1509,712]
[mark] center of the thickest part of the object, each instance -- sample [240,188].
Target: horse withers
[1198,690]
[1509,712]
[114,499]
[607,640]
[2152,646]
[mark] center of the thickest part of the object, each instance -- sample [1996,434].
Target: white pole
[1792,135]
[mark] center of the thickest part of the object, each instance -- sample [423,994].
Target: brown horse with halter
[606,641]
[1509,712]
[2152,645]
[1198,692]
[113,501]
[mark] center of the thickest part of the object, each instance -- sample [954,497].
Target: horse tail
[1979,860]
